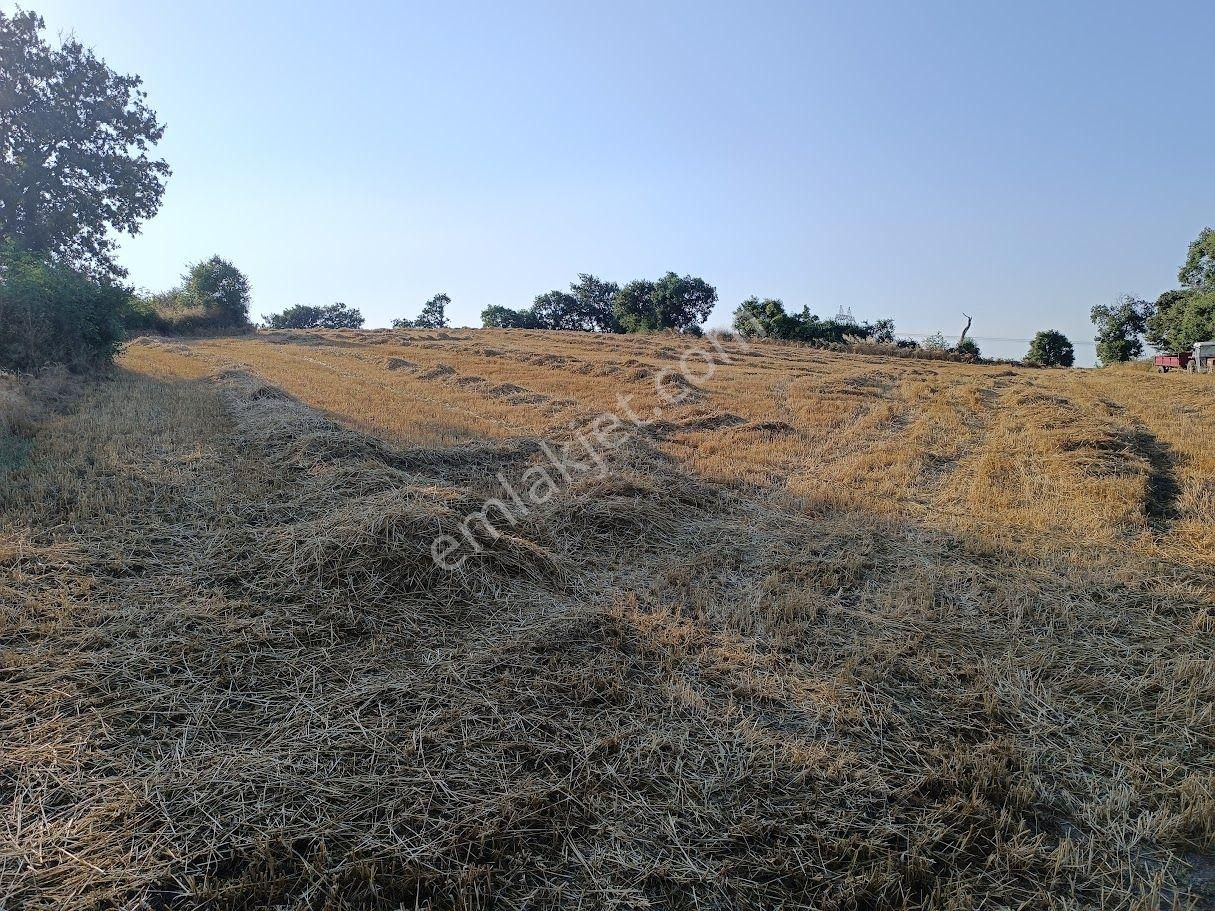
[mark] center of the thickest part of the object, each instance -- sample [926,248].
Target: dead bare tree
[965,329]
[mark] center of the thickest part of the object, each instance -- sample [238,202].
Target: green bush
[51,314]
[967,348]
[213,299]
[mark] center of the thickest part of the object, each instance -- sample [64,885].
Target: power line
[981,338]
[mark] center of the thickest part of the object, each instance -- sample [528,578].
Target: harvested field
[818,630]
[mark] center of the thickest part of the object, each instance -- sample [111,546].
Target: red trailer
[1167,362]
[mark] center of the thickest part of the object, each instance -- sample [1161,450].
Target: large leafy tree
[1186,315]
[679,302]
[499,317]
[75,138]
[1198,272]
[1051,348]
[1119,328]
[595,296]
[558,310]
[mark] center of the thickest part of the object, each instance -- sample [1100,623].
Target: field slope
[815,630]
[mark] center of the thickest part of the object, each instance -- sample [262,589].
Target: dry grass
[837,631]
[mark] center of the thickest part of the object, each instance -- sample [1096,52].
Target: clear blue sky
[1017,161]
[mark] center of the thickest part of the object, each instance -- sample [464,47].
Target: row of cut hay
[285,428]
[365,515]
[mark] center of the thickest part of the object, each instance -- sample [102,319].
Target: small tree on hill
[1119,328]
[1050,348]
[433,315]
[765,318]
[883,331]
[220,290]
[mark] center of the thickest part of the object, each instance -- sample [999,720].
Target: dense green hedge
[51,314]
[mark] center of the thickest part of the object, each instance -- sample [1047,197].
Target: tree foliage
[674,302]
[558,310]
[1198,271]
[302,316]
[51,313]
[499,317]
[1181,318]
[74,150]
[587,307]
[433,315]
[883,331]
[213,298]
[1119,328]
[767,318]
[219,290]
[1050,348]
[1186,315]
[755,318]
[595,297]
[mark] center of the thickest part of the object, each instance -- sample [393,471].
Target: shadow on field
[1160,503]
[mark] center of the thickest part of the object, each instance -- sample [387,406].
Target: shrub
[52,314]
[936,342]
[967,348]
